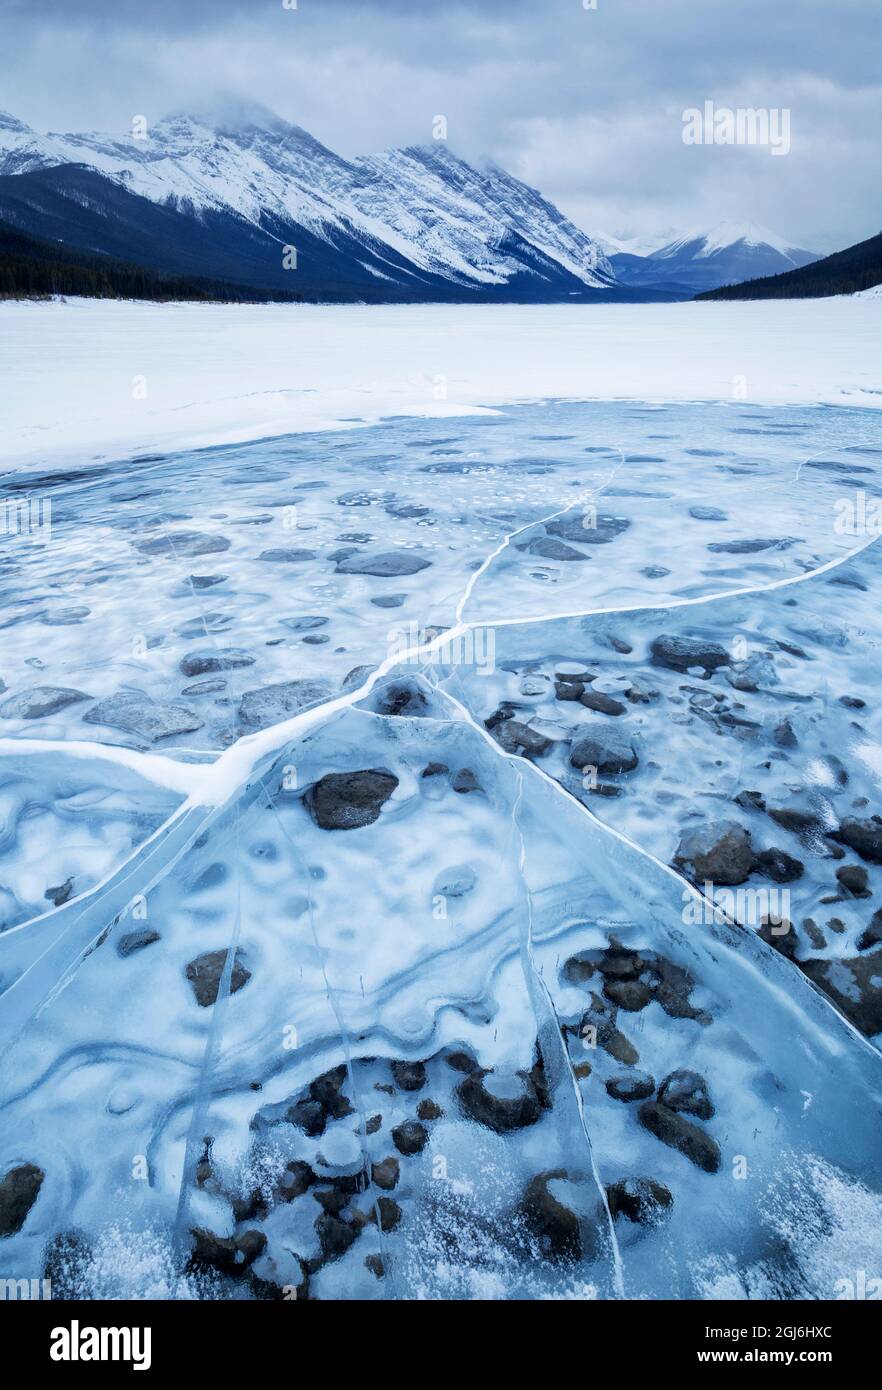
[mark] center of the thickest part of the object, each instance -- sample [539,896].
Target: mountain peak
[226,114]
[730,233]
[724,235]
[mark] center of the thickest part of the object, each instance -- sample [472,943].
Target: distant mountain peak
[725,234]
[227,113]
[706,258]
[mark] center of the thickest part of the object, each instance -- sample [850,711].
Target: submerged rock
[604,749]
[60,894]
[385,1173]
[204,626]
[602,703]
[586,528]
[751,547]
[630,995]
[65,617]
[685,653]
[296,1179]
[205,581]
[686,1091]
[19,1190]
[784,735]
[40,701]
[350,800]
[855,986]
[135,713]
[410,1137]
[550,548]
[429,1109]
[630,1085]
[286,555]
[778,866]
[136,941]
[388,1213]
[500,1112]
[779,933]
[207,662]
[308,1115]
[872,933]
[308,622]
[175,544]
[388,600]
[384,566]
[409,1076]
[399,698]
[455,882]
[719,852]
[516,737]
[464,780]
[204,973]
[641,1200]
[232,1254]
[555,1228]
[863,836]
[680,1134]
[598,1026]
[327,1089]
[756,673]
[271,704]
[854,880]
[708,514]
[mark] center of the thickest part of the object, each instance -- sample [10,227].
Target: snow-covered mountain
[414,220]
[728,253]
[228,191]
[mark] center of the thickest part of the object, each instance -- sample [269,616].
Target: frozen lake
[366,796]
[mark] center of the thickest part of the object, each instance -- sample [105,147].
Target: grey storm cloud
[585,103]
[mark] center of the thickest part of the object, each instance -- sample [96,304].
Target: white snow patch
[218,373]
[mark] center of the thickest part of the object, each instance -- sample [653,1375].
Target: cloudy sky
[584,103]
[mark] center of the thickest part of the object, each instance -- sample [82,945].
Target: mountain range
[247,198]
[856,270]
[702,260]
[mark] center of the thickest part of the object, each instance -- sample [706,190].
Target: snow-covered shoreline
[90,379]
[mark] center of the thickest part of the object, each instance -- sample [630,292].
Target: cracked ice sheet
[154,579]
[316,966]
[800,751]
[498,1272]
[344,943]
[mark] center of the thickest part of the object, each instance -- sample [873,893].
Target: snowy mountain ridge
[706,258]
[230,187]
[723,236]
[471,227]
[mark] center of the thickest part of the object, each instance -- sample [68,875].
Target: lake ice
[366,799]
